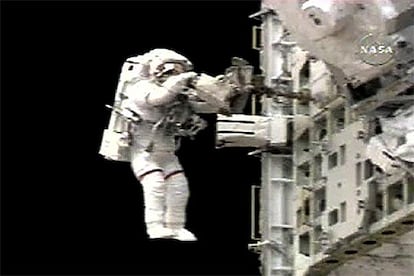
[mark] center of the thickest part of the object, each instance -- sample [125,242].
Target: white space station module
[332,120]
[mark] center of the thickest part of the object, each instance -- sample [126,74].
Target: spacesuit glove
[175,84]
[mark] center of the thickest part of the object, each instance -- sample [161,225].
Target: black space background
[66,210]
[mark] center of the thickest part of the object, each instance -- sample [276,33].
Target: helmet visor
[174,68]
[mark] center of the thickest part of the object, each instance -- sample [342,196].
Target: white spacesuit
[161,77]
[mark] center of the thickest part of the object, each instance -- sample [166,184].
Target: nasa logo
[380,49]
[375,49]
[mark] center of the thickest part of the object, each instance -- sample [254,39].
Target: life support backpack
[115,143]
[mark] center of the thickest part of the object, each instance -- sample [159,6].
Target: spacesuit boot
[158,231]
[183,235]
[177,197]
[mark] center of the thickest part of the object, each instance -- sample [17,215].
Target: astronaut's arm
[155,94]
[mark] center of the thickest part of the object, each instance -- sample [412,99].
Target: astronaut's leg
[176,201]
[177,198]
[154,187]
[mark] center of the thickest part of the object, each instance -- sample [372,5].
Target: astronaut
[154,95]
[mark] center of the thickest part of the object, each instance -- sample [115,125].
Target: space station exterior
[332,120]
[337,190]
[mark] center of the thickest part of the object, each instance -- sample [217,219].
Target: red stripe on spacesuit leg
[148,172]
[173,173]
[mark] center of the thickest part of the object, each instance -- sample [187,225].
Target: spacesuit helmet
[158,63]
[164,62]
